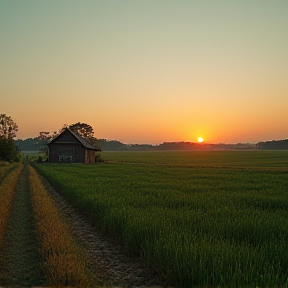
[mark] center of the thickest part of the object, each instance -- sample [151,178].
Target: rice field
[235,159]
[37,245]
[199,218]
[62,261]
[6,198]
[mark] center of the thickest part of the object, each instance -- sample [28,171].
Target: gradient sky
[147,71]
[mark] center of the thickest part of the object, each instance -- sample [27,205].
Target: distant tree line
[86,131]
[38,143]
[274,145]
[30,144]
[35,144]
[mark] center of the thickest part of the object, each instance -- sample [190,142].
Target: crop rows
[63,264]
[6,198]
[195,225]
[61,258]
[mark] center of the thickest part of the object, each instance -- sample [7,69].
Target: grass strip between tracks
[63,264]
[7,188]
[19,261]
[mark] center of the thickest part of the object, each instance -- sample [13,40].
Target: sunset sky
[147,71]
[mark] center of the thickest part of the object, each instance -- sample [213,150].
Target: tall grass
[196,225]
[5,169]
[7,188]
[63,264]
[4,163]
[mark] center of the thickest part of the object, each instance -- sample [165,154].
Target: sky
[147,71]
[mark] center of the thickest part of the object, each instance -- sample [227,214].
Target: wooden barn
[70,147]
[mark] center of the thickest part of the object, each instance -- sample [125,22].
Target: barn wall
[89,156]
[78,151]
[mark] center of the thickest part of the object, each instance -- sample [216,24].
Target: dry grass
[6,198]
[62,262]
[4,163]
[5,168]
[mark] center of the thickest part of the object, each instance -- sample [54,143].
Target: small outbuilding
[70,147]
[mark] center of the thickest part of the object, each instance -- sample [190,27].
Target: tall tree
[8,127]
[83,129]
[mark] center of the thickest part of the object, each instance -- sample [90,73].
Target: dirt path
[19,262]
[112,265]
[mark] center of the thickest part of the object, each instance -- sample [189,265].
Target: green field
[198,218]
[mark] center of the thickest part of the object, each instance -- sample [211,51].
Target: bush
[98,159]
[8,150]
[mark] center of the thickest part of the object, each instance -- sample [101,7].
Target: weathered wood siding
[55,150]
[89,156]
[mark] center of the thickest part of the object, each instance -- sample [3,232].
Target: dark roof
[84,142]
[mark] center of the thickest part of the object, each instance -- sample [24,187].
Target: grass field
[198,218]
[37,245]
[257,159]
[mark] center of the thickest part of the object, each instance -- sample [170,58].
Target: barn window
[66,154]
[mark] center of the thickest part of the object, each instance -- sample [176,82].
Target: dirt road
[19,261]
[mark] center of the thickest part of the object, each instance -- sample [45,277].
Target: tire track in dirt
[20,259]
[108,260]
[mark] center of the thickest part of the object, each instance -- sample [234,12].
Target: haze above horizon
[147,71]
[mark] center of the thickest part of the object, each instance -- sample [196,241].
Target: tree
[8,150]
[41,141]
[83,129]
[44,136]
[8,129]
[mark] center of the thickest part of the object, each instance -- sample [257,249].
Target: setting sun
[200,139]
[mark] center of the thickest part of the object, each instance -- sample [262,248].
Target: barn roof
[84,142]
